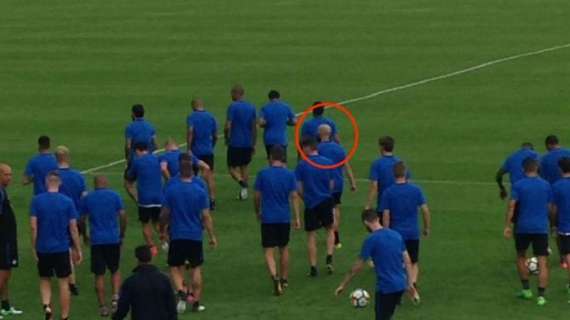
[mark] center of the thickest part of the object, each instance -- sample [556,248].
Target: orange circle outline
[355,128]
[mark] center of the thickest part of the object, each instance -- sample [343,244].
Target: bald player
[8,241]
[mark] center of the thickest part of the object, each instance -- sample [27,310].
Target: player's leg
[210,180]
[540,249]
[269,237]
[73,289]
[337,199]
[234,164]
[284,235]
[196,259]
[98,270]
[45,295]
[46,270]
[522,242]
[326,217]
[389,304]
[312,252]
[176,261]
[565,248]
[64,297]
[112,261]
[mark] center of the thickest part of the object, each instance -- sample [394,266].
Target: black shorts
[564,244]
[319,216]
[8,255]
[413,248]
[386,304]
[268,148]
[105,256]
[150,214]
[50,264]
[239,157]
[182,251]
[539,243]
[208,159]
[275,234]
[337,197]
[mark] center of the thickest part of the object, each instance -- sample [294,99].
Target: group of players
[539,203]
[175,194]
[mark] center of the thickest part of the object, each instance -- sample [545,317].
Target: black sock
[5,304]
[525,284]
[242,183]
[336,238]
[329,259]
[541,291]
[182,294]
[196,304]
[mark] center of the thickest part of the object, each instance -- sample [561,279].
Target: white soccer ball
[359,298]
[532,265]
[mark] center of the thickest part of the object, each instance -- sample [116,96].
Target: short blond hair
[62,153]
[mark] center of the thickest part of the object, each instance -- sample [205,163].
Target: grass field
[72,69]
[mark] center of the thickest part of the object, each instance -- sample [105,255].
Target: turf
[72,69]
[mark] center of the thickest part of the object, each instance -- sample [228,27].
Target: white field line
[398,88]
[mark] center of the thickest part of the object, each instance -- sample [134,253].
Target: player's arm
[356,269]
[553,210]
[262,122]
[409,271]
[76,251]
[127,148]
[499,178]
[227,131]
[508,232]
[296,202]
[372,194]
[208,223]
[300,190]
[82,225]
[164,221]
[131,190]
[254,133]
[257,205]
[426,215]
[34,234]
[123,221]
[164,170]
[350,175]
[386,218]
[26,180]
[189,137]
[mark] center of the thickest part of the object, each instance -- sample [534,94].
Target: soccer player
[401,202]
[274,117]
[387,250]
[38,167]
[169,161]
[275,190]
[311,127]
[561,212]
[145,170]
[336,153]
[147,294]
[532,196]
[241,136]
[185,214]
[139,131]
[54,228]
[105,211]
[8,242]
[513,165]
[382,172]
[315,187]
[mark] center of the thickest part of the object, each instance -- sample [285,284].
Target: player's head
[137,111]
[197,104]
[387,144]
[318,111]
[325,132]
[100,181]
[53,181]
[273,95]
[170,144]
[44,143]
[141,148]
[62,155]
[237,92]
[277,154]
[186,168]
[551,142]
[309,145]
[527,145]
[370,220]
[530,166]
[564,165]
[400,170]
[5,175]
[143,254]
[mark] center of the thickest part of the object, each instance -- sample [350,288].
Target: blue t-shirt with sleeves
[37,169]
[146,171]
[386,249]
[403,200]
[205,128]
[186,202]
[54,212]
[316,182]
[243,117]
[561,191]
[533,196]
[382,172]
[275,185]
[311,127]
[172,160]
[513,165]
[336,153]
[103,206]
[72,185]
[140,131]
[277,116]
[549,169]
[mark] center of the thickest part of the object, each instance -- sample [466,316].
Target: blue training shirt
[37,169]
[103,207]
[72,185]
[335,153]
[275,185]
[277,116]
[243,117]
[403,201]
[311,127]
[513,165]
[549,169]
[205,128]
[382,172]
[172,160]
[533,196]
[54,213]
[186,201]
[316,182]
[146,171]
[386,249]
[140,131]
[561,191]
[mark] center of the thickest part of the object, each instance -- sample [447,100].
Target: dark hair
[141,146]
[369,215]
[274,94]
[310,142]
[53,173]
[186,169]
[277,153]
[530,164]
[387,143]
[44,142]
[138,110]
[143,254]
[564,164]
[527,145]
[318,111]
[400,169]
[551,140]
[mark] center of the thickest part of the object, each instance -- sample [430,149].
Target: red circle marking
[355,128]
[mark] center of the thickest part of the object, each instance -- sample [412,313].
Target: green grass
[72,69]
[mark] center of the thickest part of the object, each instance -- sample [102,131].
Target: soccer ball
[532,265]
[359,298]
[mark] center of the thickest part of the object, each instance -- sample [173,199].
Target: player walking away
[275,189]
[145,170]
[382,172]
[311,127]
[169,161]
[315,187]
[533,196]
[185,214]
[274,117]
[401,203]
[8,242]
[39,166]
[54,228]
[513,165]
[105,211]
[139,131]
[147,294]
[561,213]
[241,136]
[202,135]
[336,153]
[387,250]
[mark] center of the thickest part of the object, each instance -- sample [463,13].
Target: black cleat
[313,273]
[277,289]
[48,314]
[74,290]
[284,284]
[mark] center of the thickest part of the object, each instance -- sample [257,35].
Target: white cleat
[243,194]
[181,306]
